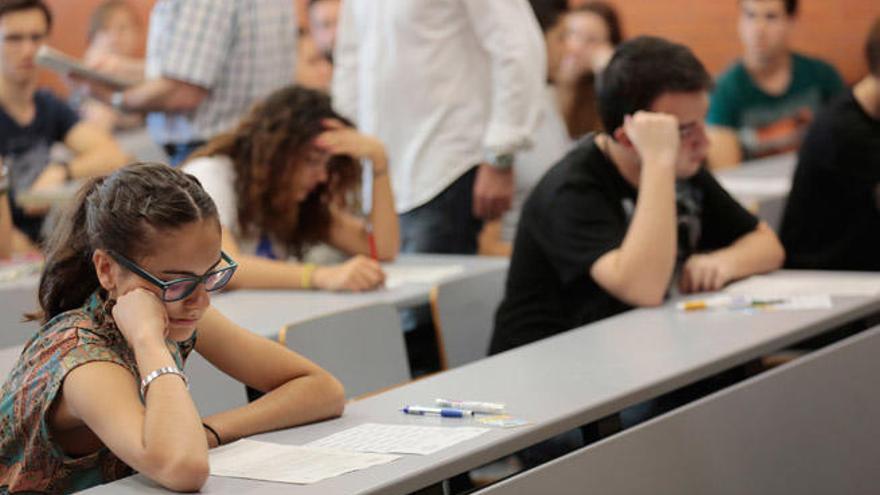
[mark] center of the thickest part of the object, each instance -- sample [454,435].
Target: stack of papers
[398,439]
[11,271]
[780,285]
[395,276]
[357,448]
[288,463]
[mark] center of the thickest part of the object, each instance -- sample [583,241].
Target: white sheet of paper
[395,276]
[288,463]
[795,303]
[782,286]
[756,186]
[398,439]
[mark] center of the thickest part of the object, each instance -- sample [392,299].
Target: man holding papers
[207,62]
[626,214]
[32,121]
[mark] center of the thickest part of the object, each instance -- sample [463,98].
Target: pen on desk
[446,412]
[475,406]
[732,302]
[371,239]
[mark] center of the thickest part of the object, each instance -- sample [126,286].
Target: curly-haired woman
[284,182]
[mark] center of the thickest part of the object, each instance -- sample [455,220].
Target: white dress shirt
[441,82]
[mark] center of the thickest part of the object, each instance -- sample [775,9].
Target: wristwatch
[4,180]
[500,161]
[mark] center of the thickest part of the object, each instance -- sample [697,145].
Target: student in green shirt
[764,103]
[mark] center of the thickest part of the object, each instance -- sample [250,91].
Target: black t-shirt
[579,211]
[832,220]
[26,149]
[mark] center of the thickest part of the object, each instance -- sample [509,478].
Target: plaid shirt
[240,50]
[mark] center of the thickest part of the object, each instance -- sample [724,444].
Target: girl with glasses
[100,390]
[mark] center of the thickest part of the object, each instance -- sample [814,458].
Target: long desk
[808,427]
[762,185]
[266,311]
[558,384]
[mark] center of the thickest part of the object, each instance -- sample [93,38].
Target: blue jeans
[446,224]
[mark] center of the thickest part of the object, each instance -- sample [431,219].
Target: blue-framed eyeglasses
[181,288]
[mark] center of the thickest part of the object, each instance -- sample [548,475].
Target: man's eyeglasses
[181,288]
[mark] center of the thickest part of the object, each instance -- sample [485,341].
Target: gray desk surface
[558,384]
[781,166]
[266,311]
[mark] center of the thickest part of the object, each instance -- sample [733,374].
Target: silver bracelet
[167,370]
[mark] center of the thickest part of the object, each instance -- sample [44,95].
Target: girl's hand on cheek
[141,318]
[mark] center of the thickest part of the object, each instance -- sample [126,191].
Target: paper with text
[756,186]
[398,439]
[288,463]
[780,285]
[395,276]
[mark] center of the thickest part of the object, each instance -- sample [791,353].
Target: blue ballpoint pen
[446,412]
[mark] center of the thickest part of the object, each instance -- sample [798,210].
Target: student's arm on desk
[759,251]
[638,272]
[357,274]
[724,149]
[297,390]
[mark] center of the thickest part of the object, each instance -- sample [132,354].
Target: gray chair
[363,347]
[212,390]
[464,314]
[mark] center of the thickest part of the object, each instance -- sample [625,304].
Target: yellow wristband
[305,276]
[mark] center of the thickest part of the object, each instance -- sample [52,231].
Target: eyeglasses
[181,288]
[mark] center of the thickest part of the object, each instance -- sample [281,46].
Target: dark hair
[122,213]
[264,150]
[583,115]
[608,14]
[9,6]
[872,48]
[102,12]
[640,71]
[791,7]
[549,12]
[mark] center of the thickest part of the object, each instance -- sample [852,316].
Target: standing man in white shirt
[453,88]
[207,62]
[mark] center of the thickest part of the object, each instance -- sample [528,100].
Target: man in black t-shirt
[31,121]
[832,220]
[612,224]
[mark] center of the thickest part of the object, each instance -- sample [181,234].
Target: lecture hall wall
[832,29]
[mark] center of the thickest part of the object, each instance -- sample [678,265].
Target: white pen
[446,412]
[477,407]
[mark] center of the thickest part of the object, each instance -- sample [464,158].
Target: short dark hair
[872,48]
[640,71]
[549,12]
[791,7]
[9,6]
[608,14]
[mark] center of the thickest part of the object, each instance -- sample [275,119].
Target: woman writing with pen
[285,181]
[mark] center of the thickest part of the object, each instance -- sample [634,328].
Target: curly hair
[266,149]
